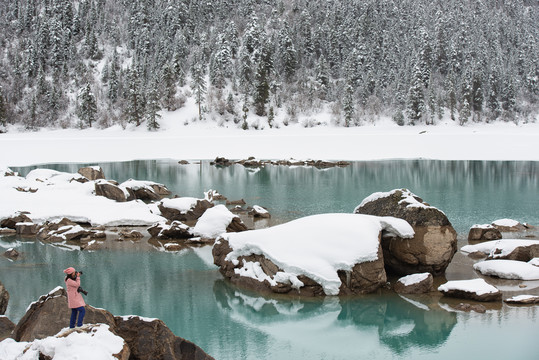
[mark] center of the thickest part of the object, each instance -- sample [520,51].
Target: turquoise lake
[187,292]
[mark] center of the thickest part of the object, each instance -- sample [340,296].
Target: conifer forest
[98,63]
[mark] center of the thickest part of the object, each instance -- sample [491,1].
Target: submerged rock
[435,241]
[11,254]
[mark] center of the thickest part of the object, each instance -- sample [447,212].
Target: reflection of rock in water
[401,324]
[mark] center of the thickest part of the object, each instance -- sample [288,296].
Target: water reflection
[373,324]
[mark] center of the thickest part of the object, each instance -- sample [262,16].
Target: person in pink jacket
[74,297]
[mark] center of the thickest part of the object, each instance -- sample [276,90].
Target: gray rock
[11,254]
[435,241]
[192,214]
[12,221]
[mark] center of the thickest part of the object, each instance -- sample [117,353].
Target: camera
[80,272]
[81,290]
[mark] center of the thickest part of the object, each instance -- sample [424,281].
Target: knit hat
[69,270]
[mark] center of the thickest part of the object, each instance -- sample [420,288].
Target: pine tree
[416,102]
[169,88]
[3,109]
[135,104]
[87,106]
[152,109]
[262,90]
[198,85]
[348,105]
[465,111]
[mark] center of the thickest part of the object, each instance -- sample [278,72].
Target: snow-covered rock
[523,299]
[184,208]
[508,269]
[414,284]
[259,212]
[534,261]
[510,249]
[92,172]
[327,254]
[89,342]
[215,221]
[172,230]
[435,240]
[475,289]
[484,232]
[508,225]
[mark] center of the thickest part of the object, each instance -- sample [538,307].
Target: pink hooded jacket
[74,298]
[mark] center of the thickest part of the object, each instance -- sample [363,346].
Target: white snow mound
[316,246]
[478,286]
[213,222]
[508,269]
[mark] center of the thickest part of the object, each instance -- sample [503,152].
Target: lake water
[185,290]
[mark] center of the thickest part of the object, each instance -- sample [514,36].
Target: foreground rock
[4,299]
[435,240]
[328,254]
[476,289]
[92,172]
[145,338]
[73,343]
[484,233]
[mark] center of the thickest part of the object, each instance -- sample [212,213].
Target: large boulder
[92,172]
[4,299]
[151,339]
[183,208]
[327,254]
[50,314]
[435,241]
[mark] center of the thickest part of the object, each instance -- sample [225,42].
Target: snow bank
[498,248]
[516,142]
[213,222]
[97,344]
[508,269]
[477,286]
[50,194]
[534,261]
[317,246]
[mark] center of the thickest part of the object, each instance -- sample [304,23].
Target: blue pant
[80,311]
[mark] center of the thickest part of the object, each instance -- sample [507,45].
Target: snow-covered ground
[206,140]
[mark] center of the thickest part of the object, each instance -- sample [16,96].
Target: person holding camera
[74,298]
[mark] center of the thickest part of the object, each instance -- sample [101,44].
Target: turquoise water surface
[185,289]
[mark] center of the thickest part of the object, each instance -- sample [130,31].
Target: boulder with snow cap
[145,190]
[484,233]
[506,249]
[92,172]
[110,191]
[327,254]
[151,339]
[259,212]
[27,228]
[435,241]
[12,221]
[11,254]
[170,230]
[183,208]
[414,284]
[50,314]
[523,299]
[509,225]
[475,289]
